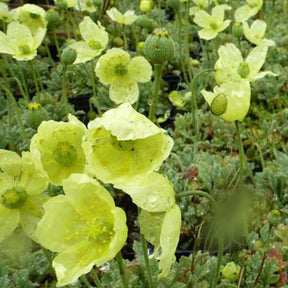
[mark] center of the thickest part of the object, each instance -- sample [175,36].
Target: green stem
[158,75]
[220,237]
[147,261]
[125,38]
[241,154]
[96,279]
[194,107]
[56,42]
[12,102]
[85,281]
[35,81]
[26,93]
[121,264]
[64,99]
[95,101]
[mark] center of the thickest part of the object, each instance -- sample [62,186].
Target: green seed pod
[237,30]
[175,4]
[53,19]
[159,46]
[219,105]
[68,56]
[61,4]
[34,115]
[243,70]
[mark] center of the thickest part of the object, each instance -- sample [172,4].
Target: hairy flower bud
[146,5]
[219,105]
[159,46]
[68,56]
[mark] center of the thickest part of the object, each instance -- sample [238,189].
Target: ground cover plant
[143,143]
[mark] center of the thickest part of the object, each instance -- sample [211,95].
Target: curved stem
[95,98]
[220,237]
[158,74]
[96,279]
[241,154]
[147,262]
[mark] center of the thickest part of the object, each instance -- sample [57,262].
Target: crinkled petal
[76,260]
[115,15]
[112,163]
[90,30]
[124,92]
[6,46]
[9,220]
[88,197]
[261,75]
[218,12]
[207,34]
[238,94]
[256,59]
[245,12]
[126,123]
[139,69]
[152,192]
[31,213]
[169,239]
[84,52]
[203,19]
[60,226]
[208,96]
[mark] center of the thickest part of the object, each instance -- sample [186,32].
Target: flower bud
[231,271]
[68,56]
[118,42]
[237,30]
[243,70]
[53,19]
[61,4]
[219,104]
[34,115]
[146,5]
[159,46]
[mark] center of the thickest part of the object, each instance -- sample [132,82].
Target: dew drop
[152,199]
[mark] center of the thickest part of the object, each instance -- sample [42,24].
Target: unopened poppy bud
[159,46]
[231,271]
[219,104]
[146,5]
[118,42]
[243,70]
[53,18]
[61,4]
[34,115]
[68,56]
[237,30]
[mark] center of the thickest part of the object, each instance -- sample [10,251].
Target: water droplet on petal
[152,199]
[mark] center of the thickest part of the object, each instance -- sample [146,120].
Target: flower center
[34,106]
[24,49]
[125,145]
[100,231]
[95,45]
[120,69]
[213,25]
[14,198]
[65,153]
[243,70]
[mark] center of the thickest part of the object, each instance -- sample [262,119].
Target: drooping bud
[219,105]
[14,198]
[159,46]
[243,70]
[68,56]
